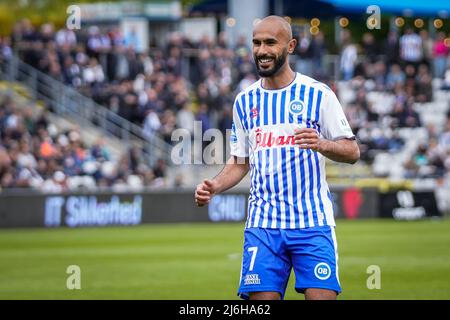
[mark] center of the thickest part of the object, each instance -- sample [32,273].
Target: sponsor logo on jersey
[296,107]
[269,139]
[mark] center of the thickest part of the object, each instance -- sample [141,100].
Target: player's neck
[280,80]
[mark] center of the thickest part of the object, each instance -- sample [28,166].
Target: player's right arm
[237,165]
[233,172]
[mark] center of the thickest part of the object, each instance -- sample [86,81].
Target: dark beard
[279,62]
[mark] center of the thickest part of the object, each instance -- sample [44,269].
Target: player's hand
[307,138]
[204,192]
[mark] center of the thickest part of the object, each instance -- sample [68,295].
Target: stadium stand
[396,101]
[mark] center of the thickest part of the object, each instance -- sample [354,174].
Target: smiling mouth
[264,62]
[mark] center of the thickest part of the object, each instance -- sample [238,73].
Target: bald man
[284,126]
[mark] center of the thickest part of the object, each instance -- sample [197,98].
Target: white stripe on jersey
[336,254]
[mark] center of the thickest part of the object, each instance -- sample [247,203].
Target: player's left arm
[332,136]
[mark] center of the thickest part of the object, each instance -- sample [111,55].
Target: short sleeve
[239,137]
[332,120]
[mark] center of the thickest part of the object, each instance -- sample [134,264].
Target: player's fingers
[202,198]
[208,182]
[308,146]
[309,137]
[301,137]
[307,133]
[202,187]
[202,203]
[305,130]
[306,141]
[203,192]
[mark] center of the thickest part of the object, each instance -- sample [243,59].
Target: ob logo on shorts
[296,107]
[322,271]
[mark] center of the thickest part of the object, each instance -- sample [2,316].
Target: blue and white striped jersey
[288,187]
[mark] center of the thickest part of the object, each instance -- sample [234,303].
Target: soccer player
[284,125]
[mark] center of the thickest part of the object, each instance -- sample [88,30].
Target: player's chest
[288,109]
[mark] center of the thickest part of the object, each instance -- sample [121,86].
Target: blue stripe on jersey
[319,100]
[294,186]
[292,210]
[258,107]
[260,190]
[330,197]
[319,188]
[311,188]
[252,202]
[303,187]
[310,106]
[285,186]
[302,166]
[243,114]
[302,98]
[309,156]
[266,108]
[316,157]
[269,192]
[291,98]
[283,107]
[250,107]
[274,108]
[276,187]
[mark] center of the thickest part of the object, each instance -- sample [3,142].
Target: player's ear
[291,45]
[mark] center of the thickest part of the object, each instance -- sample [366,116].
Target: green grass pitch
[202,261]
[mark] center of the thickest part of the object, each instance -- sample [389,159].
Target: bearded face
[268,65]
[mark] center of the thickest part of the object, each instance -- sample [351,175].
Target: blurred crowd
[34,153]
[164,88]
[160,89]
[399,75]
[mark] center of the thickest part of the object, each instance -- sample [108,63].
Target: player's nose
[262,50]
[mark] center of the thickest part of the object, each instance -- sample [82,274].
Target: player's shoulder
[329,98]
[251,88]
[311,82]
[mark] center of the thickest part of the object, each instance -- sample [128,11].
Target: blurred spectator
[186,118]
[304,51]
[427,47]
[395,77]
[440,53]
[318,51]
[93,73]
[424,92]
[66,38]
[411,50]
[391,48]
[348,56]
[369,47]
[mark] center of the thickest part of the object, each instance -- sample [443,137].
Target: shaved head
[272,43]
[277,22]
